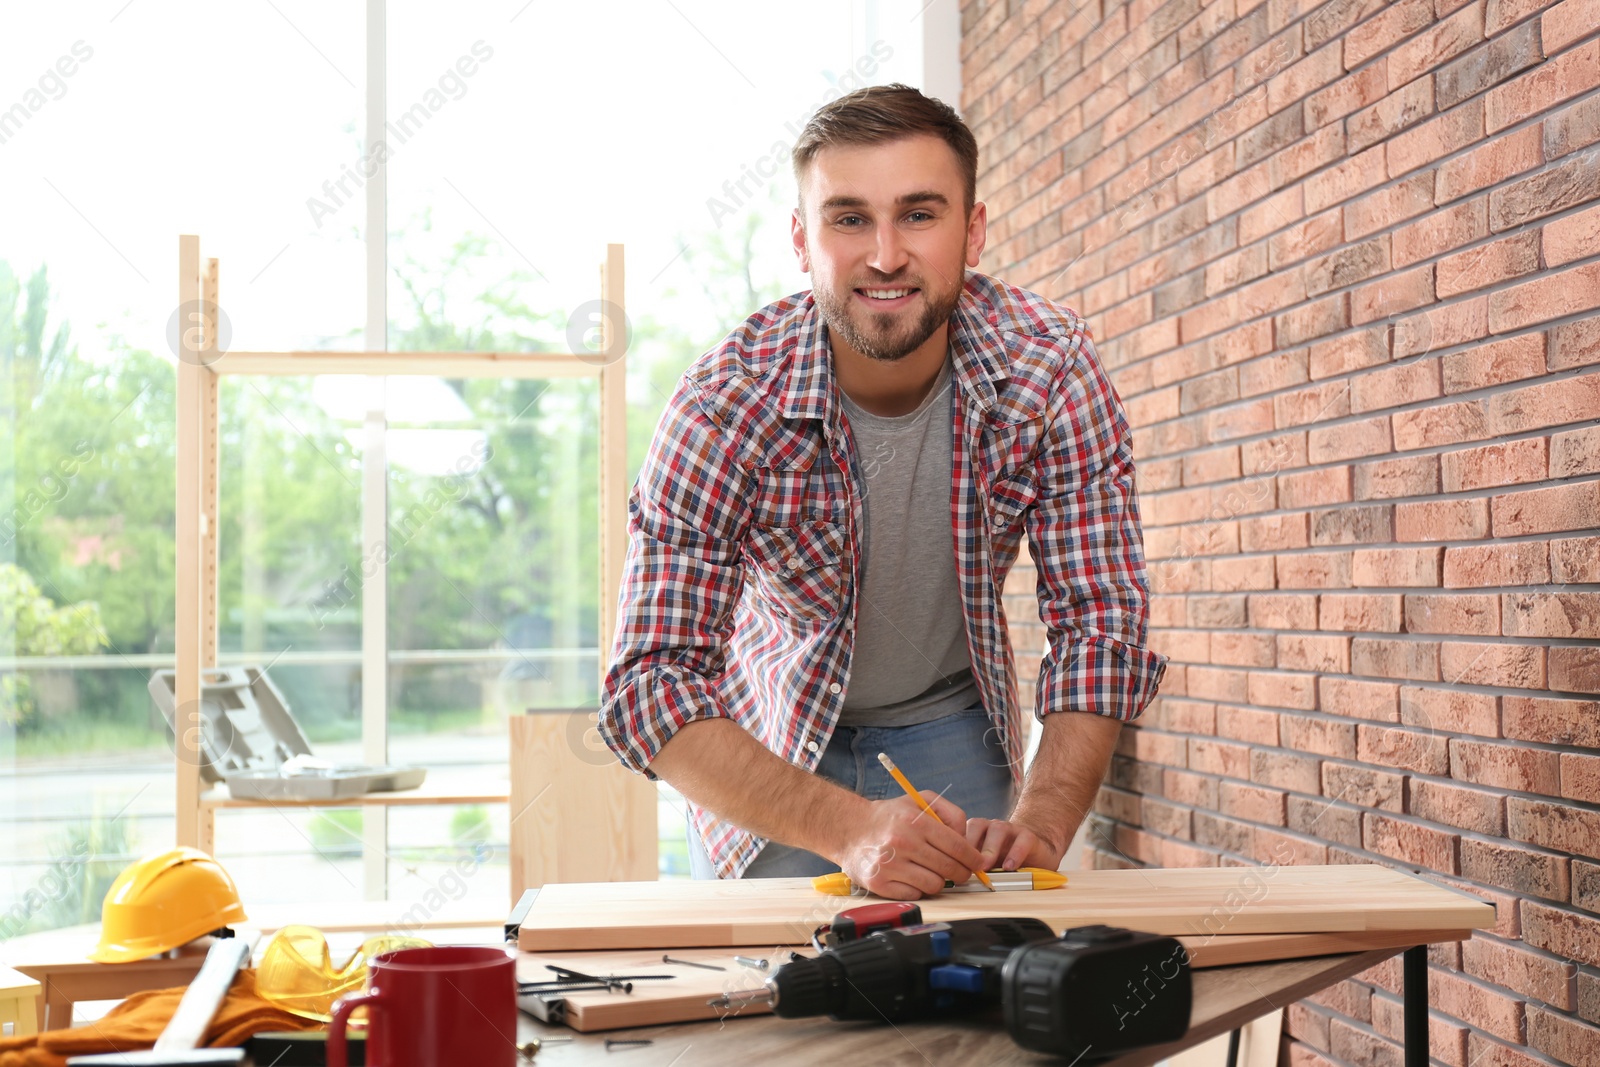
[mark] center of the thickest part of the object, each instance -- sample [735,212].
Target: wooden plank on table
[1204,901]
[683,998]
[1228,950]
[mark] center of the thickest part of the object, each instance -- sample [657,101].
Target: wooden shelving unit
[543,848]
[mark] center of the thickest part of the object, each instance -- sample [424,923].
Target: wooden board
[1202,901]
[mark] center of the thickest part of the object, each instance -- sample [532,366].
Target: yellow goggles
[296,971]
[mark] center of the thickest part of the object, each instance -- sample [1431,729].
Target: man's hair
[878,114]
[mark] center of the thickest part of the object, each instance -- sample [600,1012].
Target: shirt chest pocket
[800,570]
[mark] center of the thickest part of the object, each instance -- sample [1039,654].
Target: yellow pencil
[911,791]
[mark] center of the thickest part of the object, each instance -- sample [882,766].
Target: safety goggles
[296,971]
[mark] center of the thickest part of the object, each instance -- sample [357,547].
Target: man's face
[880,220]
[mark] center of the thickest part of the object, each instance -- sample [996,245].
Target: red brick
[1263,533]
[1441,424]
[1364,524]
[1479,810]
[1505,563]
[1314,570]
[1438,232]
[1411,842]
[1359,612]
[1391,25]
[1186,788]
[1346,998]
[1362,699]
[1504,463]
[1273,454]
[1575,559]
[1485,1052]
[1447,1041]
[1504,13]
[1572,344]
[1306,652]
[1441,327]
[1364,786]
[1396,566]
[1279,371]
[1552,295]
[1403,107]
[1240,420]
[1271,213]
[1561,615]
[1567,75]
[1354,176]
[1495,363]
[1411,750]
[1248,724]
[1233,575]
[1434,139]
[1348,265]
[1442,520]
[1546,404]
[1214,831]
[1243,650]
[1486,1008]
[1432,47]
[1527,770]
[1311,320]
[1450,711]
[1331,822]
[1352,93]
[1488,265]
[1340,355]
[1390,387]
[1314,488]
[1402,476]
[1253,803]
[1580,777]
[1567,184]
[1567,22]
[1575,670]
[1380,210]
[1286,770]
[1561,1037]
[1476,663]
[1572,128]
[1491,163]
[1219,757]
[1365,437]
[1513,966]
[1520,870]
[1297,81]
[1572,238]
[1384,658]
[1452,613]
[1575,452]
[1328,400]
[1278,690]
[1558,508]
[1568,934]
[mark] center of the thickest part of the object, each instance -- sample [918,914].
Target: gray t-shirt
[911,662]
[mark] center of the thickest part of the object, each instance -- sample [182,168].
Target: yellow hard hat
[163,901]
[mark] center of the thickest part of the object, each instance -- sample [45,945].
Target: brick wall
[1343,259]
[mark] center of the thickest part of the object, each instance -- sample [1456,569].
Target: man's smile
[884,298]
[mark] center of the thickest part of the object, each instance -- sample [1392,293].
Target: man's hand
[898,852]
[1010,845]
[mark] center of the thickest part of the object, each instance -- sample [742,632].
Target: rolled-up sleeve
[681,581]
[1087,547]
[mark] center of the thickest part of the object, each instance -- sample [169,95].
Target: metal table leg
[1233,1049]
[1415,964]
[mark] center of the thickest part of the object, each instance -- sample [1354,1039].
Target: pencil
[911,791]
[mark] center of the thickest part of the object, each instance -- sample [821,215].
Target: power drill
[1072,995]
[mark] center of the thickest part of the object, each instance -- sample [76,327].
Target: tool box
[250,740]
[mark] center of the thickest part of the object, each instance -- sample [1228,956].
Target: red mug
[427,1006]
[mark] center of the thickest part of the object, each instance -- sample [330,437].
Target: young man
[821,532]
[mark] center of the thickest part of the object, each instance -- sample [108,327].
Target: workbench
[1225,998]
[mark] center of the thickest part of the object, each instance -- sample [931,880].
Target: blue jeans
[958,756]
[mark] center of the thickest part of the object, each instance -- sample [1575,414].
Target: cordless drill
[1095,990]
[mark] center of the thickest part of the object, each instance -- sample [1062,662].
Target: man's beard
[887,336]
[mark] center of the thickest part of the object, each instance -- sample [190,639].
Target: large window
[520,138]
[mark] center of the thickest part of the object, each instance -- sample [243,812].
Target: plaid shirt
[744,558]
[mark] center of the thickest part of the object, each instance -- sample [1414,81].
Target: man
[822,528]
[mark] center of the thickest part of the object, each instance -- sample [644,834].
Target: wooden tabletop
[1224,998]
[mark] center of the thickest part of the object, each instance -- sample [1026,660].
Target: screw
[612,1044]
[746,961]
[692,963]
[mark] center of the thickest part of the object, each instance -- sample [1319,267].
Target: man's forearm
[1060,787]
[717,764]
